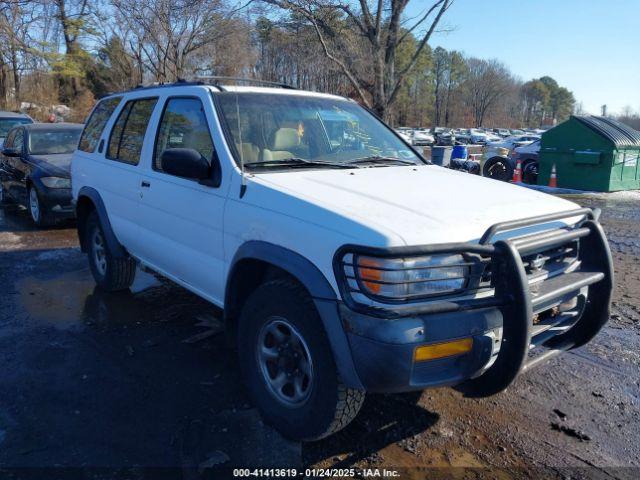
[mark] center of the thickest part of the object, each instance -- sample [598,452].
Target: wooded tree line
[73,51]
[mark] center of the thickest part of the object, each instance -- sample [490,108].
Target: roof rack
[215,81]
[178,83]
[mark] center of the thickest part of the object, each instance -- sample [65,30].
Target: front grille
[550,262]
[538,265]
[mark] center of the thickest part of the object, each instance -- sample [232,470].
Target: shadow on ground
[383,421]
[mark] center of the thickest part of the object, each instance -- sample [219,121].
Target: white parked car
[481,137]
[422,137]
[406,134]
[343,262]
[502,132]
[493,137]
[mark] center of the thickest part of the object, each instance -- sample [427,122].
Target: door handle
[145,184]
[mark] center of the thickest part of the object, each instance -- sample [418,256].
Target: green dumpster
[591,153]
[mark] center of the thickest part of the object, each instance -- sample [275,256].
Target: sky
[592,47]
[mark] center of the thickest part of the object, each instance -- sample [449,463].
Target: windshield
[7,124]
[273,129]
[54,141]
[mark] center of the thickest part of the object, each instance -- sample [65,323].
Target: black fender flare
[117,250]
[294,263]
[321,291]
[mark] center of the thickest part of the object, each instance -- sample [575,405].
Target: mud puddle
[71,299]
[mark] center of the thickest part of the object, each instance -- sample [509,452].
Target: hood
[528,148]
[58,164]
[420,205]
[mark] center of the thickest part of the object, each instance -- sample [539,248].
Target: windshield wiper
[297,162]
[380,159]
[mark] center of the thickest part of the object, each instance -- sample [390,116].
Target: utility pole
[604,110]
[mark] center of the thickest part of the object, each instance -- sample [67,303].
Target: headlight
[405,278]
[56,182]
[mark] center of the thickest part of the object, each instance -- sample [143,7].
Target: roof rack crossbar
[217,79]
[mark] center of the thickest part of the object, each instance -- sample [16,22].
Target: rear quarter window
[96,123]
[127,135]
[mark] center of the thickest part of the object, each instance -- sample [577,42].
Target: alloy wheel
[99,252]
[34,205]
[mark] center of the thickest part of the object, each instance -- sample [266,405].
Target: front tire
[110,273]
[39,215]
[288,365]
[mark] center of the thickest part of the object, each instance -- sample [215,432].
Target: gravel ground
[108,386]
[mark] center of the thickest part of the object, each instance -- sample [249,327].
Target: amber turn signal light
[441,350]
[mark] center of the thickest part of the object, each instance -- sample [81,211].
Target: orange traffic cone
[517,173]
[553,179]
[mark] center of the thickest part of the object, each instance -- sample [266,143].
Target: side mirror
[186,163]
[11,152]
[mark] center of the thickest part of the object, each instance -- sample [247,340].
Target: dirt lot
[110,386]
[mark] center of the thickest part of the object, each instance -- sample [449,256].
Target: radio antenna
[243,180]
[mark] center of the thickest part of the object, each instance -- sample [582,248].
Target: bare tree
[487,81]
[382,28]
[20,23]
[166,33]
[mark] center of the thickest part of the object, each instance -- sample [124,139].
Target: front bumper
[57,201]
[561,312]
[383,350]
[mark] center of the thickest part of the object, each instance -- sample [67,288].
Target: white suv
[345,263]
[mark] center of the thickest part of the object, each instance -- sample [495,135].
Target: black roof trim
[618,133]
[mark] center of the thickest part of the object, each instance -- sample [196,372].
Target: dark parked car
[443,136]
[528,156]
[34,169]
[8,120]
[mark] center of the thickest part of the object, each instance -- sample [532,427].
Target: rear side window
[95,125]
[183,125]
[127,135]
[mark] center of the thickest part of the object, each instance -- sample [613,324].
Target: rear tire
[110,273]
[288,365]
[530,172]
